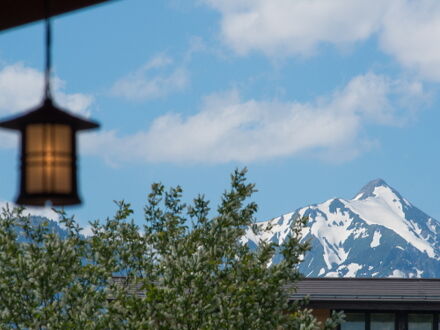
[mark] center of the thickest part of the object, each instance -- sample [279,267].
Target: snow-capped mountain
[378,233]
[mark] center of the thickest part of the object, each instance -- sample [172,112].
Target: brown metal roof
[361,293]
[18,12]
[391,294]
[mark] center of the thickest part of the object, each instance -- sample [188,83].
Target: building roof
[370,293]
[18,12]
[391,294]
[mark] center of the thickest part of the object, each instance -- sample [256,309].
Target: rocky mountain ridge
[378,233]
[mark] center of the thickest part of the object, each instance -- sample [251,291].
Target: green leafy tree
[184,269]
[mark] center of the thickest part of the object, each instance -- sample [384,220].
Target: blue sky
[316,98]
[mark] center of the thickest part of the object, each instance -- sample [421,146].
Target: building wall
[321,315]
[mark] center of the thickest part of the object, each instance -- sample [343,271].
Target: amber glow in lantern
[48,154]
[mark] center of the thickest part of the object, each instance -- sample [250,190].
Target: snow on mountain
[378,233]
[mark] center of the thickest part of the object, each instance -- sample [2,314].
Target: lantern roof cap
[49,113]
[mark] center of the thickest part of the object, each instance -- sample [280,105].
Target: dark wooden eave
[14,13]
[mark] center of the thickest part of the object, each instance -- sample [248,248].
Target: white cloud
[21,88]
[408,30]
[77,103]
[37,211]
[151,81]
[411,33]
[229,129]
[286,27]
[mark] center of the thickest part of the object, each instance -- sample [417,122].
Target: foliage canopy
[184,269]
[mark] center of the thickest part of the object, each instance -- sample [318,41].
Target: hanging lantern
[48,154]
[48,170]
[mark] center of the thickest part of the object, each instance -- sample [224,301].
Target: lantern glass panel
[48,159]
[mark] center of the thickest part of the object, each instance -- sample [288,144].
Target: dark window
[354,321]
[420,322]
[389,320]
[382,321]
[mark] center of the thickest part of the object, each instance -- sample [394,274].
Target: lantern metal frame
[48,113]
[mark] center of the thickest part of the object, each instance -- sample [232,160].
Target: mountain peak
[377,234]
[369,189]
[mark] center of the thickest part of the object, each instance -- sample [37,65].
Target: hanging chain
[47,90]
